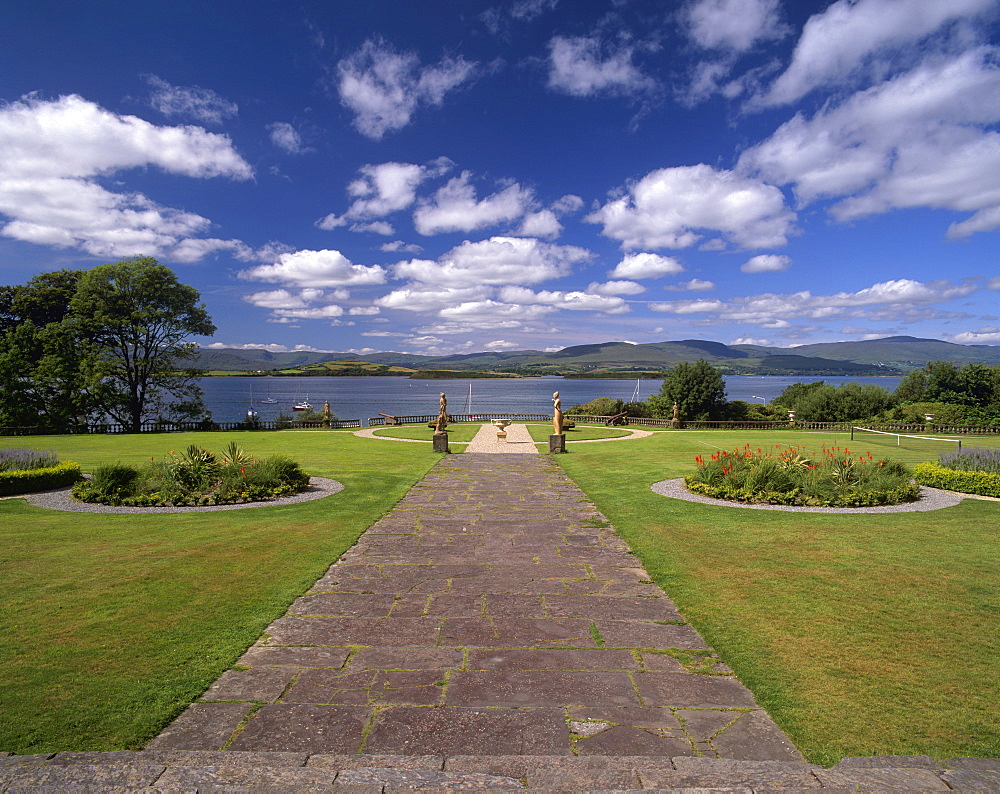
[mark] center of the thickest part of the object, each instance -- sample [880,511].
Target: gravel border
[62,500]
[930,499]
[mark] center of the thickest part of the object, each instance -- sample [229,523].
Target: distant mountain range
[890,356]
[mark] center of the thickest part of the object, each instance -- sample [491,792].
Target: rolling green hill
[887,356]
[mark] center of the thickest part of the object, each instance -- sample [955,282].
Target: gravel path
[62,500]
[930,499]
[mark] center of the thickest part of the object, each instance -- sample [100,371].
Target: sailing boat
[304,405]
[635,394]
[251,413]
[269,399]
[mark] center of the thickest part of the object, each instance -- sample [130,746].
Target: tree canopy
[103,342]
[698,389]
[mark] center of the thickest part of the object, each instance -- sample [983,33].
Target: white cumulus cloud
[496,261]
[921,139]
[455,208]
[585,66]
[52,154]
[324,268]
[646,265]
[766,263]
[734,24]
[672,207]
[384,88]
[286,137]
[189,102]
[845,35]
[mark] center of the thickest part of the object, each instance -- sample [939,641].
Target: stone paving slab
[180,770]
[500,615]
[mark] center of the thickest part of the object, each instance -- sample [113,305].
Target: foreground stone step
[175,770]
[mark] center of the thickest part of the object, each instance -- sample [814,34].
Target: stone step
[184,770]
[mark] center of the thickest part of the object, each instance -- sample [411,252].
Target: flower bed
[195,477]
[787,475]
[25,470]
[975,471]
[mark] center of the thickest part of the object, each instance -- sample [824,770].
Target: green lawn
[112,624]
[861,634]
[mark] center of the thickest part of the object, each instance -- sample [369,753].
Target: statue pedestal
[501,435]
[441,442]
[557,443]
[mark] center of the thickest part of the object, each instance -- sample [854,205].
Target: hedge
[978,482]
[32,480]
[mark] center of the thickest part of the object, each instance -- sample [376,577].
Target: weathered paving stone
[627,741]
[711,773]
[410,687]
[881,779]
[471,620]
[432,763]
[308,727]
[754,736]
[406,659]
[973,780]
[973,764]
[634,634]
[406,730]
[687,690]
[294,657]
[202,726]
[353,605]
[422,779]
[264,683]
[296,630]
[207,778]
[662,721]
[611,608]
[88,777]
[516,633]
[540,688]
[563,659]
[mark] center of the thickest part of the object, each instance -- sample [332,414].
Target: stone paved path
[518,441]
[492,612]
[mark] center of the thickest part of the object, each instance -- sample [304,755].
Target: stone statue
[557,415]
[442,420]
[677,413]
[326,411]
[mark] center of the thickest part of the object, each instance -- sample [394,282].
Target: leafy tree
[821,402]
[792,394]
[138,315]
[105,341]
[601,406]
[699,389]
[974,385]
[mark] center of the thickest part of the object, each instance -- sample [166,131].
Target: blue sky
[456,176]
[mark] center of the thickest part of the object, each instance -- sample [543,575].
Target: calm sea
[228,398]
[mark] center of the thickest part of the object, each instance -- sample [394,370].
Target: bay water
[229,398]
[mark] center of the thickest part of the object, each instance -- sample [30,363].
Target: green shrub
[977,482]
[45,479]
[791,476]
[196,477]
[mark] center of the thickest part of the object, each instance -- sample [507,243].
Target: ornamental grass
[790,475]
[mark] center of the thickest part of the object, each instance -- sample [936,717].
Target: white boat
[251,413]
[304,405]
[269,399]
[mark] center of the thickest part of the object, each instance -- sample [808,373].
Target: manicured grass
[860,634]
[867,634]
[540,433]
[112,624]
[459,433]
